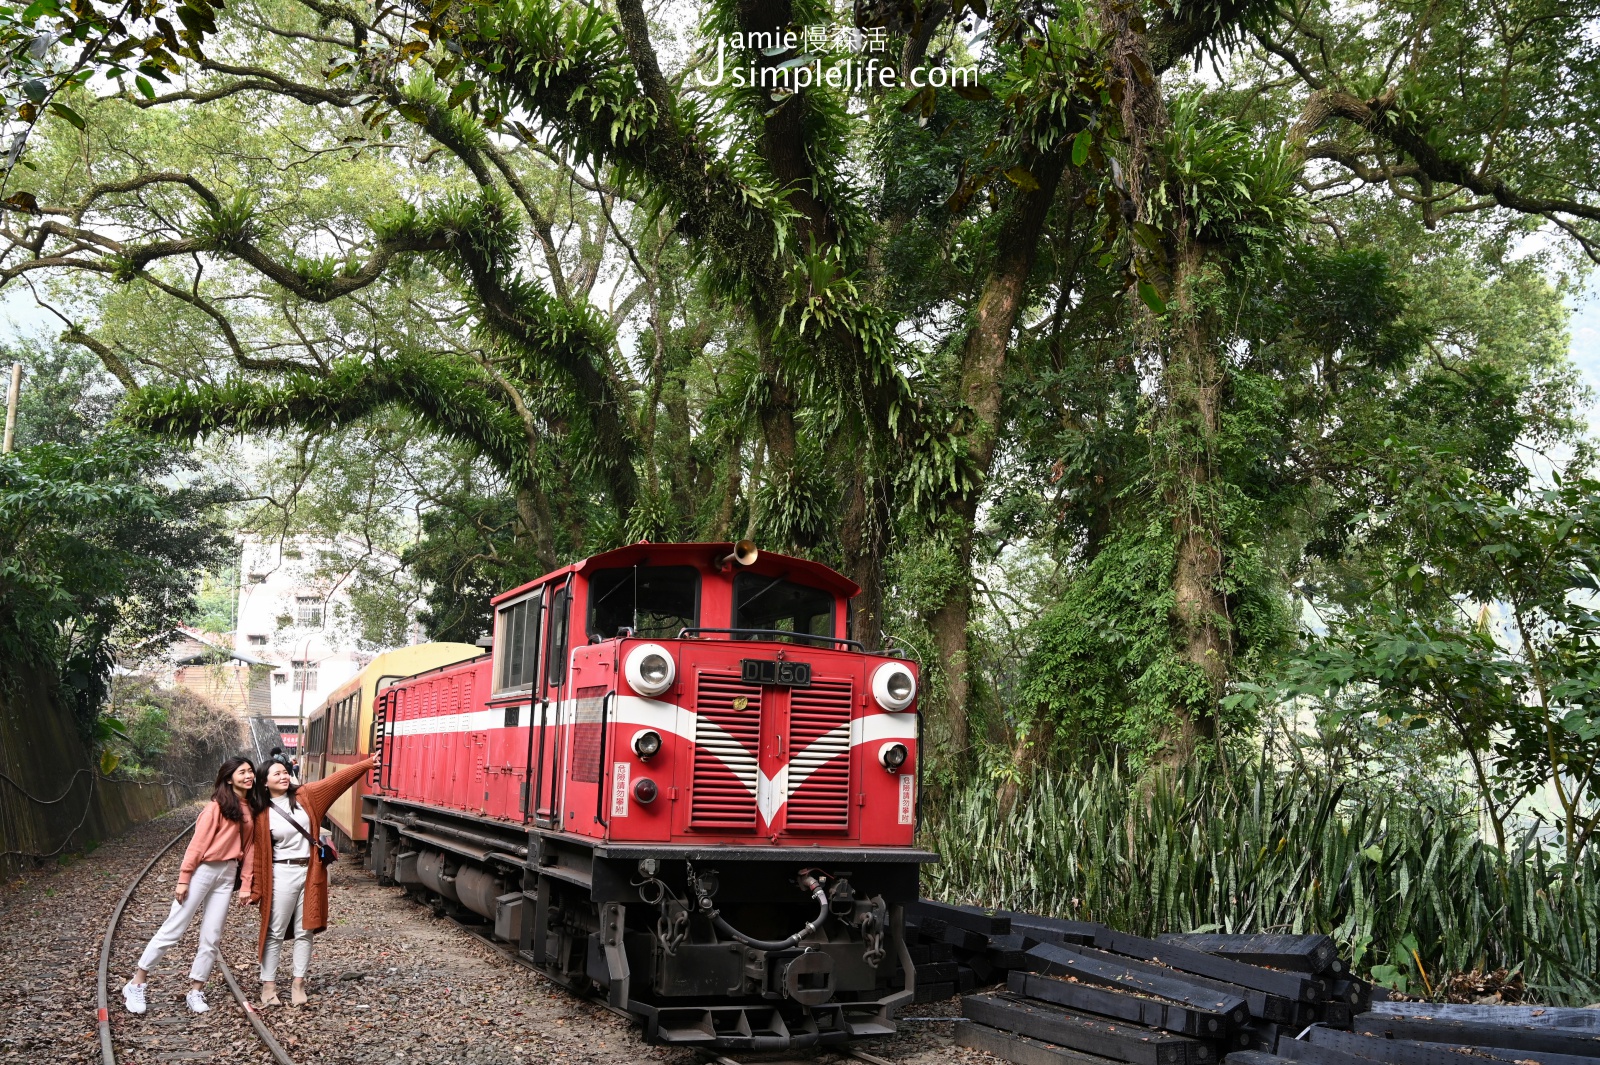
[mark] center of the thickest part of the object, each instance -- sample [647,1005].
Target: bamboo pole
[12,394]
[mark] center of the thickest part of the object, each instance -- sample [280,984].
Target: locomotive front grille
[819,760]
[727,742]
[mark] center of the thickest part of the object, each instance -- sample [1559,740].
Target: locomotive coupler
[808,979]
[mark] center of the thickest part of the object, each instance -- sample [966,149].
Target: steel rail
[108,1054]
[862,1055]
[713,1058]
[262,1033]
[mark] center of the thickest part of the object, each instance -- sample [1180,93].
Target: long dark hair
[260,796]
[224,795]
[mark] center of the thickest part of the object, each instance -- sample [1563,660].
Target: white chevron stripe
[771,794]
[730,752]
[822,750]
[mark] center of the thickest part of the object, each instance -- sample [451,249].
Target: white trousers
[288,906]
[210,888]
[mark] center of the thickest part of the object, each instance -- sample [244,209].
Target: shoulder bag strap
[293,822]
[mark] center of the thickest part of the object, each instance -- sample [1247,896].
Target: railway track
[108,1052]
[846,1051]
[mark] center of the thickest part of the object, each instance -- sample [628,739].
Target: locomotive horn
[744,552]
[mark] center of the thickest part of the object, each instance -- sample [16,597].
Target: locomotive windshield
[653,601]
[776,604]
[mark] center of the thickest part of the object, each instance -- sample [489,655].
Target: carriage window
[517,642]
[655,601]
[774,603]
[555,650]
[346,715]
[317,736]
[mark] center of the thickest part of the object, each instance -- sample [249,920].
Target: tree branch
[109,358]
[1411,138]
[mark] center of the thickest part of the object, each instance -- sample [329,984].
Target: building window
[257,641]
[258,578]
[280,679]
[305,676]
[308,611]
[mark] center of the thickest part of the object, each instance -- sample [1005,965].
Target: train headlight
[892,756]
[646,743]
[645,790]
[650,669]
[893,686]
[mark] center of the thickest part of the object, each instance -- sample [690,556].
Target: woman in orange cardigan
[290,880]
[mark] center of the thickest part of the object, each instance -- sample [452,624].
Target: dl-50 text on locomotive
[674,781]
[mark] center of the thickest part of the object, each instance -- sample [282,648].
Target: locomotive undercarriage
[717,946]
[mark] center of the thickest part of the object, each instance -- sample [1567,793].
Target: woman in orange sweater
[291,879]
[211,867]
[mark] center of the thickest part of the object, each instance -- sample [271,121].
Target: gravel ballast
[389,983]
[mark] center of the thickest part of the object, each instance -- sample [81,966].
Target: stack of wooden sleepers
[1417,1033]
[1076,993]
[957,949]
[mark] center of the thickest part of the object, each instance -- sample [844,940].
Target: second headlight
[650,669]
[893,686]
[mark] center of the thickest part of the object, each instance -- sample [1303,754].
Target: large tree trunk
[777,420]
[1187,338]
[1193,386]
[533,511]
[864,541]
[983,365]
[952,727]
[732,476]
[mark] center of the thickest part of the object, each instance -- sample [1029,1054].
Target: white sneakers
[133,997]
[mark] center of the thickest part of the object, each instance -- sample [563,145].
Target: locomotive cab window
[516,643]
[653,601]
[776,604]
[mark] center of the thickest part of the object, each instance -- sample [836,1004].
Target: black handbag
[244,856]
[325,854]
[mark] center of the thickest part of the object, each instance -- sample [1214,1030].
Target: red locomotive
[677,780]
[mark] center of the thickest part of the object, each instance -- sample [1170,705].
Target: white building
[294,613]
